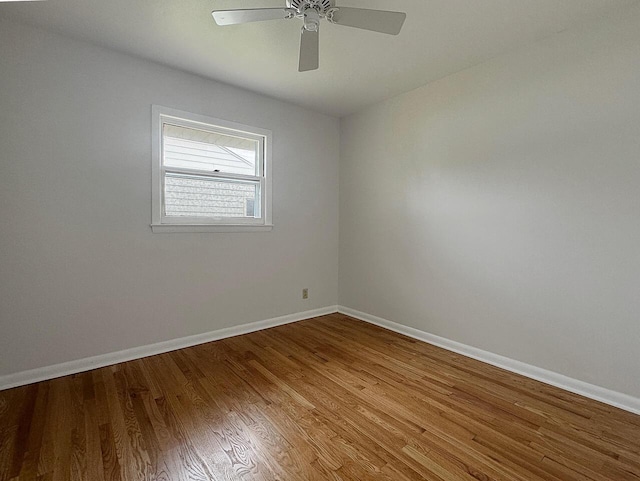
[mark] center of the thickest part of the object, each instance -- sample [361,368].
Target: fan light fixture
[311,12]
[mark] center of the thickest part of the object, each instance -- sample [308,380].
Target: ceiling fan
[311,12]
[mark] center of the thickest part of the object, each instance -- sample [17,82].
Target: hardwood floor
[328,398]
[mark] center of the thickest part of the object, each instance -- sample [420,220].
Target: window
[209,174]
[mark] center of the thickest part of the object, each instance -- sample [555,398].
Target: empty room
[320,240]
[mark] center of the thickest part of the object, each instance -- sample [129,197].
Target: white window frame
[163,223]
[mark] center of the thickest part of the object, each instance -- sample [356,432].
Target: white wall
[500,206]
[81,274]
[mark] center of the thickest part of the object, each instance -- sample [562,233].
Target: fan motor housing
[320,5]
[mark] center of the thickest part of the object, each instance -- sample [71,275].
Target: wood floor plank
[330,398]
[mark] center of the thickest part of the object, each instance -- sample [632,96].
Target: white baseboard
[94,362]
[607,396]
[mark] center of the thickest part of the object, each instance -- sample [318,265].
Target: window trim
[162,223]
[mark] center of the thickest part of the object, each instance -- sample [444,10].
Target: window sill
[174,228]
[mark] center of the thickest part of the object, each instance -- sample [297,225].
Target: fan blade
[309,50]
[233,17]
[376,20]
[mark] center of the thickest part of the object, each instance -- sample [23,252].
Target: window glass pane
[250,205]
[193,196]
[190,148]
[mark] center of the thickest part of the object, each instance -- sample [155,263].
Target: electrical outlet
[305,293]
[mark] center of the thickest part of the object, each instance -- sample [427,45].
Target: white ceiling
[357,67]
